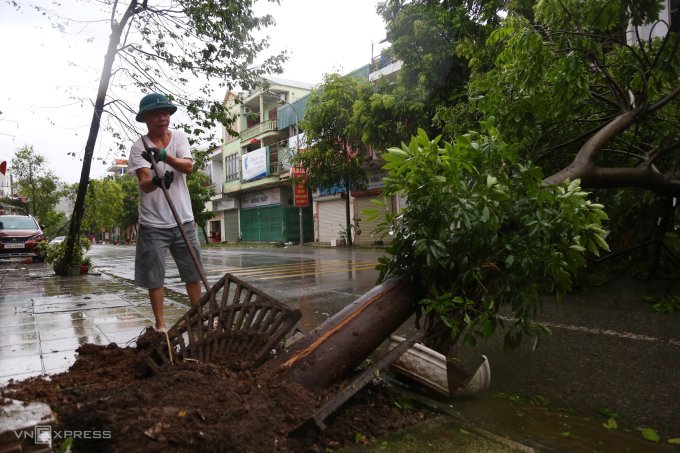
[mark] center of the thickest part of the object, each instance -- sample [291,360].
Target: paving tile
[13,301]
[15,311]
[56,362]
[57,334]
[20,365]
[111,315]
[17,319]
[4,380]
[61,320]
[69,344]
[19,350]
[124,326]
[124,339]
[19,338]
[13,328]
[76,303]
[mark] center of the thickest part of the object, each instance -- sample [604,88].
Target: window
[232,162]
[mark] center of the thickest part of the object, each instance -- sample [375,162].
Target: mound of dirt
[200,407]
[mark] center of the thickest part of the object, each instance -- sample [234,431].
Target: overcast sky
[44,68]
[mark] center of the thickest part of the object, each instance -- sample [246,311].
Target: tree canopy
[40,185]
[559,94]
[167,47]
[583,96]
[333,150]
[481,233]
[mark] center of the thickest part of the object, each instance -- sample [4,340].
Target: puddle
[53,304]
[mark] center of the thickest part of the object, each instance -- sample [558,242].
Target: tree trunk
[77,216]
[333,350]
[348,218]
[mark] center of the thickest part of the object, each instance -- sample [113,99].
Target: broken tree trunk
[333,350]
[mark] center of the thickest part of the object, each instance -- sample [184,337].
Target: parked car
[20,236]
[58,239]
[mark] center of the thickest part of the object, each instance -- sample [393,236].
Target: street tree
[35,181]
[130,211]
[586,98]
[386,114]
[28,166]
[602,106]
[482,234]
[103,205]
[200,191]
[430,39]
[167,47]
[569,98]
[334,153]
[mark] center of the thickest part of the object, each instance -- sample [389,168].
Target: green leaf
[611,424]
[565,434]
[462,431]
[674,441]
[650,435]
[66,445]
[485,214]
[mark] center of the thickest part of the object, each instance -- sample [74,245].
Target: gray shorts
[152,245]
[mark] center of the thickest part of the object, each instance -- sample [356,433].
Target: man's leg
[185,263]
[156,296]
[194,292]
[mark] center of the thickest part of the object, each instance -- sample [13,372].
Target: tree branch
[663,101]
[583,163]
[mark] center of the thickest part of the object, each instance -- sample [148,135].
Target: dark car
[19,236]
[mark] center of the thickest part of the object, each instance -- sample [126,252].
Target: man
[158,230]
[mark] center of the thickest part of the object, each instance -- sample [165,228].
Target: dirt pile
[194,406]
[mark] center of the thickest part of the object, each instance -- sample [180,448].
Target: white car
[58,239]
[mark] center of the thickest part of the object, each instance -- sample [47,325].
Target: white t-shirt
[154,209]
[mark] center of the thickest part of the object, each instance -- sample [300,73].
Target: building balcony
[384,66]
[258,130]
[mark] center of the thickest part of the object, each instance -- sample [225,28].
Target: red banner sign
[300,198]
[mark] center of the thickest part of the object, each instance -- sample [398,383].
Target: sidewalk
[45,318]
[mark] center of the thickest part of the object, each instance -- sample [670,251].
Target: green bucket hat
[154,101]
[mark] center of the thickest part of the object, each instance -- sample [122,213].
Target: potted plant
[54,255]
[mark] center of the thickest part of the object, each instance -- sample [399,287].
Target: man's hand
[158,154]
[167,178]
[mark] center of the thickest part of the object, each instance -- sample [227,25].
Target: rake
[234,324]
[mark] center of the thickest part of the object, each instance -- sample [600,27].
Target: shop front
[269,216]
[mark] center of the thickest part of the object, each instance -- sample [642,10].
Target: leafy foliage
[481,232]
[555,82]
[384,115]
[570,87]
[54,253]
[104,205]
[333,152]
[130,212]
[200,190]
[40,185]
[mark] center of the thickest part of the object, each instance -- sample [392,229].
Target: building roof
[290,83]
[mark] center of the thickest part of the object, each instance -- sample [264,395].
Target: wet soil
[202,407]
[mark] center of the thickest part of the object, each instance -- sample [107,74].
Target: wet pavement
[45,318]
[614,355]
